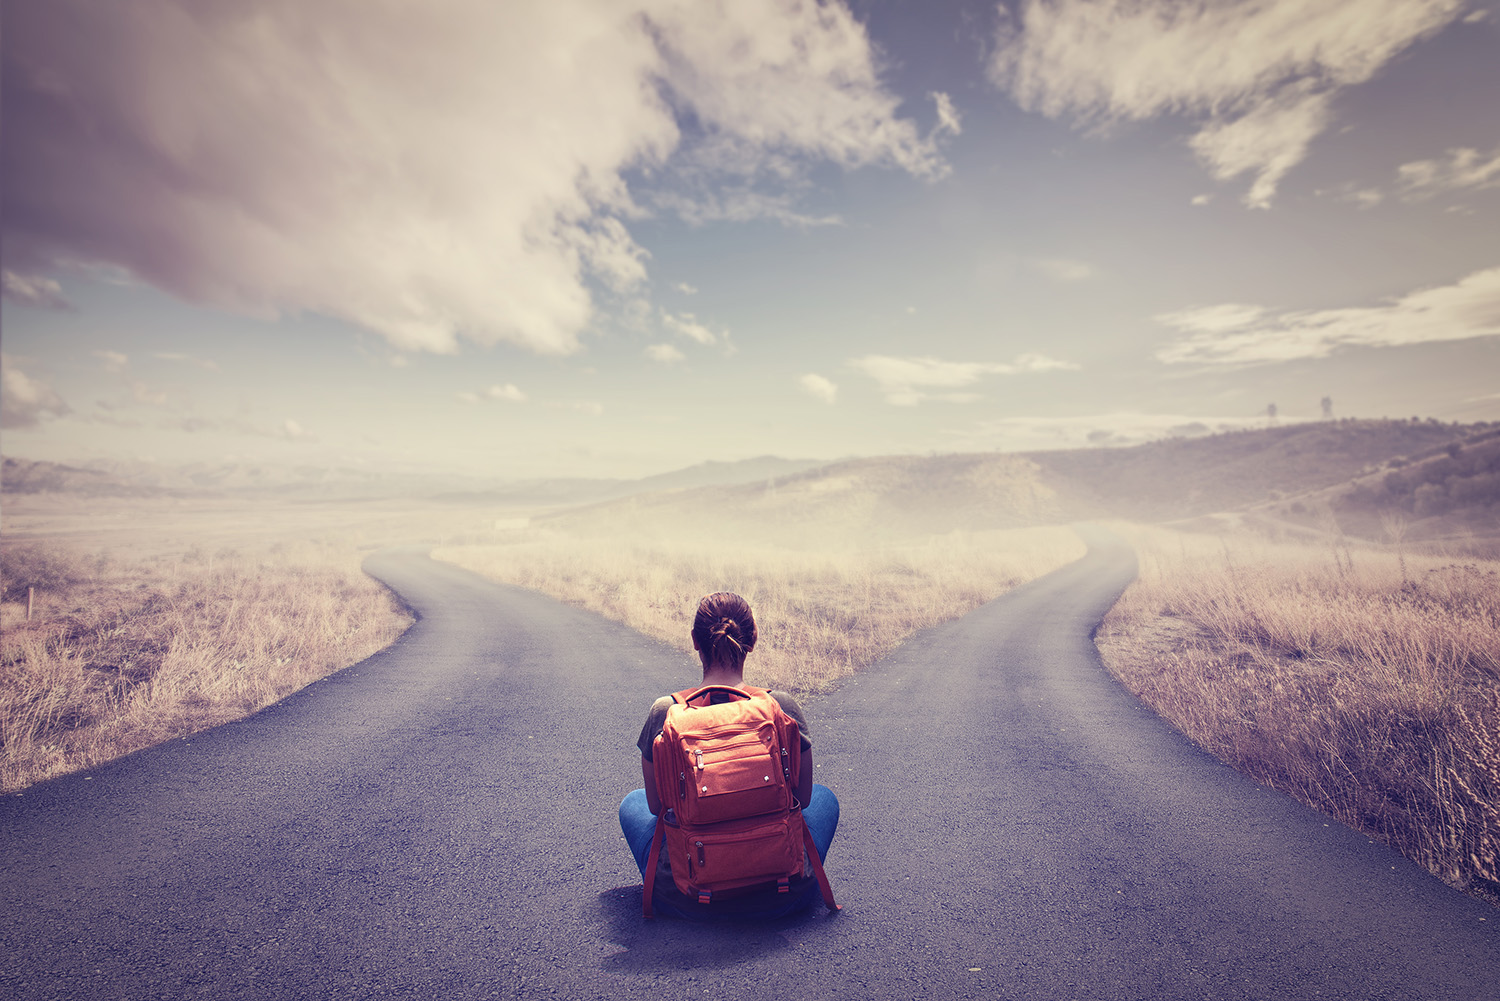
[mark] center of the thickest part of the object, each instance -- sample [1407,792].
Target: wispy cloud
[687,325]
[147,396]
[664,353]
[114,361]
[947,115]
[685,288]
[1242,335]
[508,393]
[819,388]
[736,204]
[1062,269]
[908,381]
[1463,169]
[296,167]
[32,290]
[1257,77]
[25,401]
[1118,428]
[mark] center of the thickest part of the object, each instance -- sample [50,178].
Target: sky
[618,237]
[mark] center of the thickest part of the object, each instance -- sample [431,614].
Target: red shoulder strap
[653,859]
[689,694]
[817,864]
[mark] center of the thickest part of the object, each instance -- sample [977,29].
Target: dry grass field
[1365,683]
[121,656]
[821,613]
[151,621]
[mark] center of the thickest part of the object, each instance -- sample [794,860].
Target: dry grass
[1364,683]
[821,614]
[118,657]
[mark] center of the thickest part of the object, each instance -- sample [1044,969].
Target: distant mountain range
[139,479]
[1363,477]
[1446,479]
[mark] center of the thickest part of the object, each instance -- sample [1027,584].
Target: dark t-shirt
[657,718]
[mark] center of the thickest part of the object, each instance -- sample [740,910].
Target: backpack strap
[687,695]
[817,864]
[653,859]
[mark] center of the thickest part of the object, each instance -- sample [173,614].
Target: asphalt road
[439,822]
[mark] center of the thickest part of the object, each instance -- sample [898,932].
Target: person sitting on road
[723,634]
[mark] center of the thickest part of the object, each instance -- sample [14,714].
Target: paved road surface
[439,822]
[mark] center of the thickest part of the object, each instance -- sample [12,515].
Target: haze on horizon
[594,238]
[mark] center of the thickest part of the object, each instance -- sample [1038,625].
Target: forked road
[439,822]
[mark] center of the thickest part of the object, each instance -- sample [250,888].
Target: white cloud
[24,401]
[948,121]
[687,325]
[114,361]
[508,392]
[293,431]
[908,381]
[783,76]
[1202,199]
[665,353]
[685,288]
[429,171]
[1255,76]
[819,388]
[146,396]
[32,290]
[1237,335]
[1268,140]
[1094,430]
[1464,168]
[1063,270]
[737,204]
[1365,198]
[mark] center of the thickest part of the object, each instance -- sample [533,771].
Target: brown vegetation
[1364,683]
[117,657]
[822,614]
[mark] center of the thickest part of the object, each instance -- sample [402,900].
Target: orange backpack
[727,773]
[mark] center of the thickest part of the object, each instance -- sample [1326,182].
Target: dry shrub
[122,657]
[1364,683]
[820,615]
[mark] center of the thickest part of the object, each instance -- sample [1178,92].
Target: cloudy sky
[617,237]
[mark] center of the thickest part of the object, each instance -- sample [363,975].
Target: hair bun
[724,629]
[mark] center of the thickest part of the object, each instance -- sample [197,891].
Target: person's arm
[804,780]
[653,798]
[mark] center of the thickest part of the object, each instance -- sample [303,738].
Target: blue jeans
[821,815]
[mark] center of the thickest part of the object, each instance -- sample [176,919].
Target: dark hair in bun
[724,629]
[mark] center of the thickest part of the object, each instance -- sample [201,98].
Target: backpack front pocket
[736,853]
[727,779]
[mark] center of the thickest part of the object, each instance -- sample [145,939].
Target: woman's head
[723,630]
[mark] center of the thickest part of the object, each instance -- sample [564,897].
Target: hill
[1447,493]
[889,498]
[123,478]
[1186,477]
